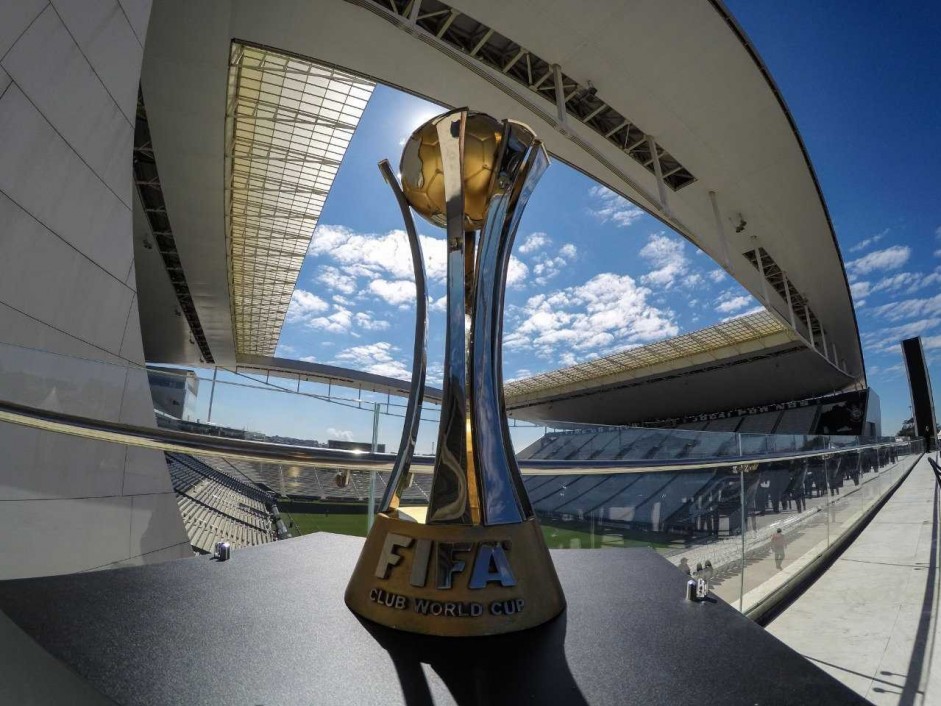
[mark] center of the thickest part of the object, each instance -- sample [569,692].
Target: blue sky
[592,274]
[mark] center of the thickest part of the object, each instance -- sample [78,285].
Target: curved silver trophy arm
[454,488]
[523,161]
[398,480]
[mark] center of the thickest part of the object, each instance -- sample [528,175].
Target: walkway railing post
[741,588]
[371,513]
[212,394]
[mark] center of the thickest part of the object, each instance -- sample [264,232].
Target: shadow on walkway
[921,653]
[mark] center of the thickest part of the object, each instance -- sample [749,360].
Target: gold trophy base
[419,578]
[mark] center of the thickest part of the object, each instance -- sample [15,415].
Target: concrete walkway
[871,619]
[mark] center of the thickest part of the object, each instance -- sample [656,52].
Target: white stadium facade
[162,168]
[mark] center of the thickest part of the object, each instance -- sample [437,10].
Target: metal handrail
[267,452]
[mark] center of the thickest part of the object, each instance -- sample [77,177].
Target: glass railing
[748,512]
[290,409]
[749,528]
[239,404]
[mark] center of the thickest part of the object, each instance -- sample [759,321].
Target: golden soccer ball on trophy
[422,173]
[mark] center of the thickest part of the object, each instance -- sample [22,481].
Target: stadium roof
[760,327]
[666,103]
[750,360]
[288,124]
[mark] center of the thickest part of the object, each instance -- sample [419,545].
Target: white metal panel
[66,90]
[41,173]
[104,34]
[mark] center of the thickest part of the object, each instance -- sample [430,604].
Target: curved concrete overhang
[289,369]
[749,361]
[683,73]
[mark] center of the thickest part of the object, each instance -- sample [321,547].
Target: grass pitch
[558,536]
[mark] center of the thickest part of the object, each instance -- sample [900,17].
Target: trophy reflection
[479,565]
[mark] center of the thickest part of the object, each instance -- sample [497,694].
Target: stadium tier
[699,502]
[317,483]
[217,507]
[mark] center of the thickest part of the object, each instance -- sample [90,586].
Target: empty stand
[568,493]
[319,483]
[217,507]
[624,506]
[714,445]
[599,495]
[723,424]
[763,423]
[799,420]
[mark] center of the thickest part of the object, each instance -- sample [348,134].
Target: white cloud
[341,434]
[733,304]
[520,374]
[931,342]
[717,275]
[397,292]
[516,273]
[928,280]
[909,308]
[365,321]
[884,372]
[388,256]
[872,240]
[371,254]
[309,359]
[742,314]
[608,310]
[612,207]
[910,281]
[889,259]
[340,321]
[893,283]
[434,374]
[860,290]
[534,242]
[304,305]
[333,279]
[887,339]
[376,358]
[547,266]
[666,255]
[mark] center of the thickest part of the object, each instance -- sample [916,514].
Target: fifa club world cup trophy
[479,566]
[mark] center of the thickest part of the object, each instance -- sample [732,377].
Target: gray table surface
[270,627]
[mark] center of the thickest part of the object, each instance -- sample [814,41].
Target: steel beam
[512,62]
[720,229]
[658,172]
[480,44]
[559,93]
[447,24]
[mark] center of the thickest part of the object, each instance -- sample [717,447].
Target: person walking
[778,543]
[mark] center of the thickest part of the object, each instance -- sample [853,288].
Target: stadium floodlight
[480,565]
